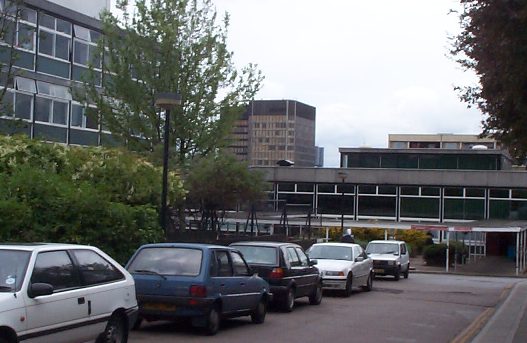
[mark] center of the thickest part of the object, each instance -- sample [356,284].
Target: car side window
[223,264]
[303,258]
[239,265]
[403,249]
[56,269]
[292,257]
[95,269]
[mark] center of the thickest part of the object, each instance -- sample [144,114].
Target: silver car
[343,266]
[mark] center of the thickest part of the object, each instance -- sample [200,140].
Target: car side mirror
[359,259]
[313,262]
[39,289]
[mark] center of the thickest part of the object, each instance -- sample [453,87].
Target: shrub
[435,255]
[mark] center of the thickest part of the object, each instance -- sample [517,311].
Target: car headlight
[332,273]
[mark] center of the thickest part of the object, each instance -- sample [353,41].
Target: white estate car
[389,258]
[63,293]
[343,266]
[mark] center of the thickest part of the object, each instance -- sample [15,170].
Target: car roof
[337,244]
[387,241]
[42,246]
[264,244]
[202,246]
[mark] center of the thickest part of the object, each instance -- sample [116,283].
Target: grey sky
[369,67]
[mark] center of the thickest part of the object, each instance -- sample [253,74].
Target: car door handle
[242,283]
[222,285]
[81,301]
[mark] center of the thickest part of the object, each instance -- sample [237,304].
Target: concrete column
[517,253]
[447,251]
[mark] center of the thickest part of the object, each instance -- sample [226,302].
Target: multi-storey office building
[439,141]
[54,46]
[274,130]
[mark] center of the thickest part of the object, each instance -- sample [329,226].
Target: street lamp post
[342,176]
[166,101]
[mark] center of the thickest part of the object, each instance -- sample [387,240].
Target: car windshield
[258,255]
[382,248]
[167,261]
[330,252]
[12,269]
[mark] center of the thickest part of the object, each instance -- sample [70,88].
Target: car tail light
[276,273]
[198,291]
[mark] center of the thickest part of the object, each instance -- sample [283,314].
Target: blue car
[203,282]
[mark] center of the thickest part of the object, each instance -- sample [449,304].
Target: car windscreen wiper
[144,271]
[6,288]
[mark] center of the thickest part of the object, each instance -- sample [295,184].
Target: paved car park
[423,308]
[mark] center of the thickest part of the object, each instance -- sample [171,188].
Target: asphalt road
[424,308]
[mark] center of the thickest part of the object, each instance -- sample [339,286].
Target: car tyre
[213,321]
[258,316]
[407,272]
[115,332]
[289,301]
[397,274]
[137,323]
[349,286]
[316,297]
[369,283]
[3,340]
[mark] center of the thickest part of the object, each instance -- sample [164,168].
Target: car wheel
[213,321]
[137,323]
[289,301]
[369,283]
[407,272]
[258,316]
[349,286]
[316,297]
[115,331]
[3,340]
[397,274]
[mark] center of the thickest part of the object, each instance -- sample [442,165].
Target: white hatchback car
[343,266]
[63,293]
[389,258]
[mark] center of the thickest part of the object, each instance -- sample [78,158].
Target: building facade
[439,141]
[54,46]
[274,130]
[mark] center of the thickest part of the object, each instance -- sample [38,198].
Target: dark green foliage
[101,197]
[435,254]
[493,44]
[220,182]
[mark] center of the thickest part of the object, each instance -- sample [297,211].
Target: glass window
[223,264]
[26,37]
[63,26]
[239,265]
[259,255]
[28,15]
[453,192]
[23,106]
[409,190]
[167,261]
[330,252]
[377,206]
[77,115]
[56,269]
[95,269]
[42,109]
[92,119]
[80,53]
[303,258]
[326,188]
[420,208]
[46,21]
[365,189]
[60,112]
[429,191]
[45,45]
[62,47]
[12,269]
[292,257]
[499,193]
[23,84]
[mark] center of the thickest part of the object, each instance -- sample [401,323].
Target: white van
[389,258]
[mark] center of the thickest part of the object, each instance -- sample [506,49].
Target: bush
[95,196]
[435,255]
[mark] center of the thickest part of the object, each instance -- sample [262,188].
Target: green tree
[218,183]
[170,46]
[493,44]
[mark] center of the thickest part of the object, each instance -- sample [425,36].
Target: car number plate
[378,270]
[159,307]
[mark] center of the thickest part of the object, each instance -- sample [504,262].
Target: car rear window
[258,255]
[168,261]
[331,252]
